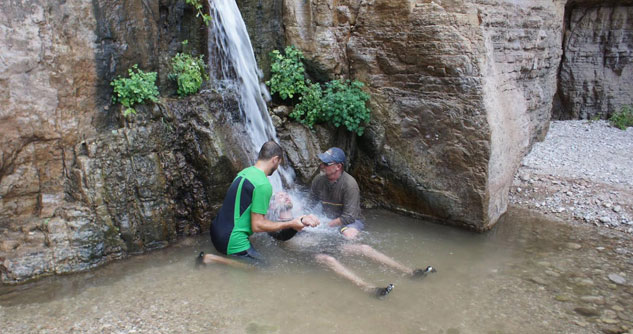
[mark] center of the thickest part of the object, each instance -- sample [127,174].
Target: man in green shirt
[244,209]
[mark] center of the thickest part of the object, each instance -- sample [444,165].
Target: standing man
[339,194]
[244,209]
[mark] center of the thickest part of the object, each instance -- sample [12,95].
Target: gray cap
[333,154]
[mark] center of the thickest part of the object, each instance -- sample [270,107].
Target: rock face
[79,186]
[596,74]
[460,90]
[264,21]
[132,189]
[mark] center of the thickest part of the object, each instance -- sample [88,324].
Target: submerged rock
[617,279]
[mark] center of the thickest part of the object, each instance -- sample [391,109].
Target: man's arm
[259,223]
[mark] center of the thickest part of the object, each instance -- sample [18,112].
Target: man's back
[249,192]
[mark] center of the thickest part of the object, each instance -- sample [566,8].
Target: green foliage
[341,103]
[197,4]
[345,104]
[188,71]
[287,73]
[622,119]
[138,88]
[310,110]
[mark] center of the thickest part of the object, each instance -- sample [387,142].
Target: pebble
[563,298]
[538,280]
[587,311]
[605,220]
[573,245]
[617,209]
[593,299]
[617,279]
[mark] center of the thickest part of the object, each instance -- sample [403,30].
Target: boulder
[460,90]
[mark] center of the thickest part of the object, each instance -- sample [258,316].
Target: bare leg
[371,253]
[334,265]
[210,258]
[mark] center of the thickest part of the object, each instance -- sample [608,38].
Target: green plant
[188,71]
[341,103]
[138,88]
[287,73]
[197,4]
[310,110]
[622,119]
[344,103]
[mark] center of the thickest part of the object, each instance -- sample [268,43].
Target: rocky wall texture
[79,185]
[460,90]
[596,72]
[264,21]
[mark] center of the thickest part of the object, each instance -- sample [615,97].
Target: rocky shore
[581,173]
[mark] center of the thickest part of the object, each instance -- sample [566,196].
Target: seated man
[338,193]
[280,209]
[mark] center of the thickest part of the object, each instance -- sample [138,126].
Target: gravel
[581,173]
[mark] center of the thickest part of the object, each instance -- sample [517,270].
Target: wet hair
[269,150]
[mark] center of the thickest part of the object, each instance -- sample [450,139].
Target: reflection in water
[525,276]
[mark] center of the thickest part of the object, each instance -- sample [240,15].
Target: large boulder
[460,90]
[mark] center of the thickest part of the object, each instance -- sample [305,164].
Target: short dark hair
[269,150]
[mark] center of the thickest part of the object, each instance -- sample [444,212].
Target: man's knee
[355,249]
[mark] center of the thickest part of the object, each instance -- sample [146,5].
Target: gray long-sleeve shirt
[340,199]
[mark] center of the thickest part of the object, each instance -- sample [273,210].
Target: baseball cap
[333,155]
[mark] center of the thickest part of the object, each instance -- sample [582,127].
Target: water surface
[525,276]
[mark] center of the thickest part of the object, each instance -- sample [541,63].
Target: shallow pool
[525,276]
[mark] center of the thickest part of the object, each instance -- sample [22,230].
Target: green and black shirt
[249,192]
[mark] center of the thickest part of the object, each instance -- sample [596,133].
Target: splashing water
[233,65]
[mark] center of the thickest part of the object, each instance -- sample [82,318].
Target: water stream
[525,276]
[233,66]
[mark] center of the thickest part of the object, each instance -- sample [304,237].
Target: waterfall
[232,64]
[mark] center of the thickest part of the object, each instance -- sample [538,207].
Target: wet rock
[587,311]
[584,282]
[281,111]
[277,122]
[617,279]
[572,245]
[564,298]
[593,299]
[8,245]
[612,330]
[538,280]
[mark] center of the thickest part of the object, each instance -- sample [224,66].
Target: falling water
[233,65]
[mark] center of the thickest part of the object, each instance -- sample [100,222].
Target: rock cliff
[460,90]
[79,186]
[596,72]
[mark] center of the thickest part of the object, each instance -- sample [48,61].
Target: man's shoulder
[254,175]
[348,179]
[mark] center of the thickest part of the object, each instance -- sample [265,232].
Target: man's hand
[296,224]
[310,221]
